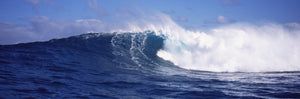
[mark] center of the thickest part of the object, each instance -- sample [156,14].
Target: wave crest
[236,48]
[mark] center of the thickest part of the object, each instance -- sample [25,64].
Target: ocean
[137,66]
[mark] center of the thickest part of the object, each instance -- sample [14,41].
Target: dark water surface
[123,66]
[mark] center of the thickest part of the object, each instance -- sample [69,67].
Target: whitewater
[235,48]
[239,47]
[157,58]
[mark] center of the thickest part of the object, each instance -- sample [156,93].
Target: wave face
[150,65]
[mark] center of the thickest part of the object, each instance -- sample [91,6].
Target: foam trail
[236,48]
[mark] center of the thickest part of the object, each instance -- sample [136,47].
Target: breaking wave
[235,48]
[238,47]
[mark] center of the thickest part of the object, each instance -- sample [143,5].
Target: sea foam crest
[239,47]
[236,48]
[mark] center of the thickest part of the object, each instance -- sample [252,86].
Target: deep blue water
[124,66]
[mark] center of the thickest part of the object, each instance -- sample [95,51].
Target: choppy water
[124,66]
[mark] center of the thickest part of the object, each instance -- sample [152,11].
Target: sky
[38,20]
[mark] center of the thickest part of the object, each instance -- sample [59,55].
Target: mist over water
[236,48]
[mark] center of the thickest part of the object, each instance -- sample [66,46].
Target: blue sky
[190,14]
[197,12]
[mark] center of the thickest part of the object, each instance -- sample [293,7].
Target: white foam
[236,48]
[239,47]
